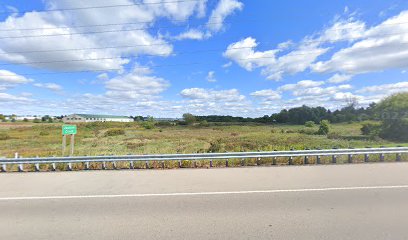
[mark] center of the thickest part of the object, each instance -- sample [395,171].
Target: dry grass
[44,139]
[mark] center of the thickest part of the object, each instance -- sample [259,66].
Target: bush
[44,133]
[148,125]
[371,129]
[25,120]
[36,120]
[4,136]
[114,132]
[324,127]
[204,123]
[307,131]
[310,124]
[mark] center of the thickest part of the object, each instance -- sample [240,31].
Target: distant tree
[189,118]
[393,111]
[324,127]
[2,117]
[50,120]
[36,120]
[25,120]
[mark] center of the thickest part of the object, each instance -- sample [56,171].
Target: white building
[95,118]
[28,117]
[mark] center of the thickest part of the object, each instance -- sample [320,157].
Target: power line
[165,55]
[154,66]
[102,6]
[145,22]
[161,44]
[104,31]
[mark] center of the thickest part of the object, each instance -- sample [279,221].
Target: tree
[2,117]
[393,111]
[189,118]
[324,127]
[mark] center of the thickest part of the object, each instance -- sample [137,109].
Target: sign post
[68,130]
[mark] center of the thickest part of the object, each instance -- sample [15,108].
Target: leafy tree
[324,127]
[393,111]
[25,120]
[189,118]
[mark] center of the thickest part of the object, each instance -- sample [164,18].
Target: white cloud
[13,78]
[56,22]
[300,85]
[221,102]
[339,78]
[267,95]
[6,98]
[221,12]
[227,65]
[273,67]
[193,34]
[50,86]
[10,79]
[380,48]
[137,84]
[385,89]
[211,76]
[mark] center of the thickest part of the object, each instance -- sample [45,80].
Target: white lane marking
[204,193]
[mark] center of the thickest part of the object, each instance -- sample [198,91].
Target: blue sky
[165,58]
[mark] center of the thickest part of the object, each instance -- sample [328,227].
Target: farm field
[44,139]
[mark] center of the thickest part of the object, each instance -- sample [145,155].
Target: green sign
[69,129]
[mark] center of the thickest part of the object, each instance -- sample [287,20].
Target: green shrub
[44,133]
[310,124]
[371,129]
[324,127]
[204,123]
[4,136]
[148,125]
[36,120]
[114,132]
[307,131]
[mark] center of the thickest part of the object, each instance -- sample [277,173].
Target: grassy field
[44,139]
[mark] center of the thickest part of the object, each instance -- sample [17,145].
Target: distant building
[28,117]
[95,118]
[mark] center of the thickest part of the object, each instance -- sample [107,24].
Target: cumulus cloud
[380,47]
[339,78]
[267,95]
[223,9]
[10,79]
[301,85]
[50,86]
[273,67]
[386,89]
[211,76]
[192,34]
[33,50]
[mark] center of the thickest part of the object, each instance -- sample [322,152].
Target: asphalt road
[367,201]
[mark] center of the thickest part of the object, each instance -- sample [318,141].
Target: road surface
[367,201]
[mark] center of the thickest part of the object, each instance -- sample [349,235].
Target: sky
[164,58]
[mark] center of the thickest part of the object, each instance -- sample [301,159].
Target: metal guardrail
[204,156]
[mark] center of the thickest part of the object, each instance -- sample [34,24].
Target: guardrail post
[318,161]
[87,166]
[4,167]
[37,167]
[242,162]
[398,157]
[226,163]
[195,164]
[179,163]
[306,160]
[334,159]
[290,160]
[53,167]
[258,161]
[147,164]
[382,157]
[114,165]
[366,157]
[131,165]
[350,158]
[274,159]
[211,163]
[103,165]
[163,164]
[20,167]
[69,166]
